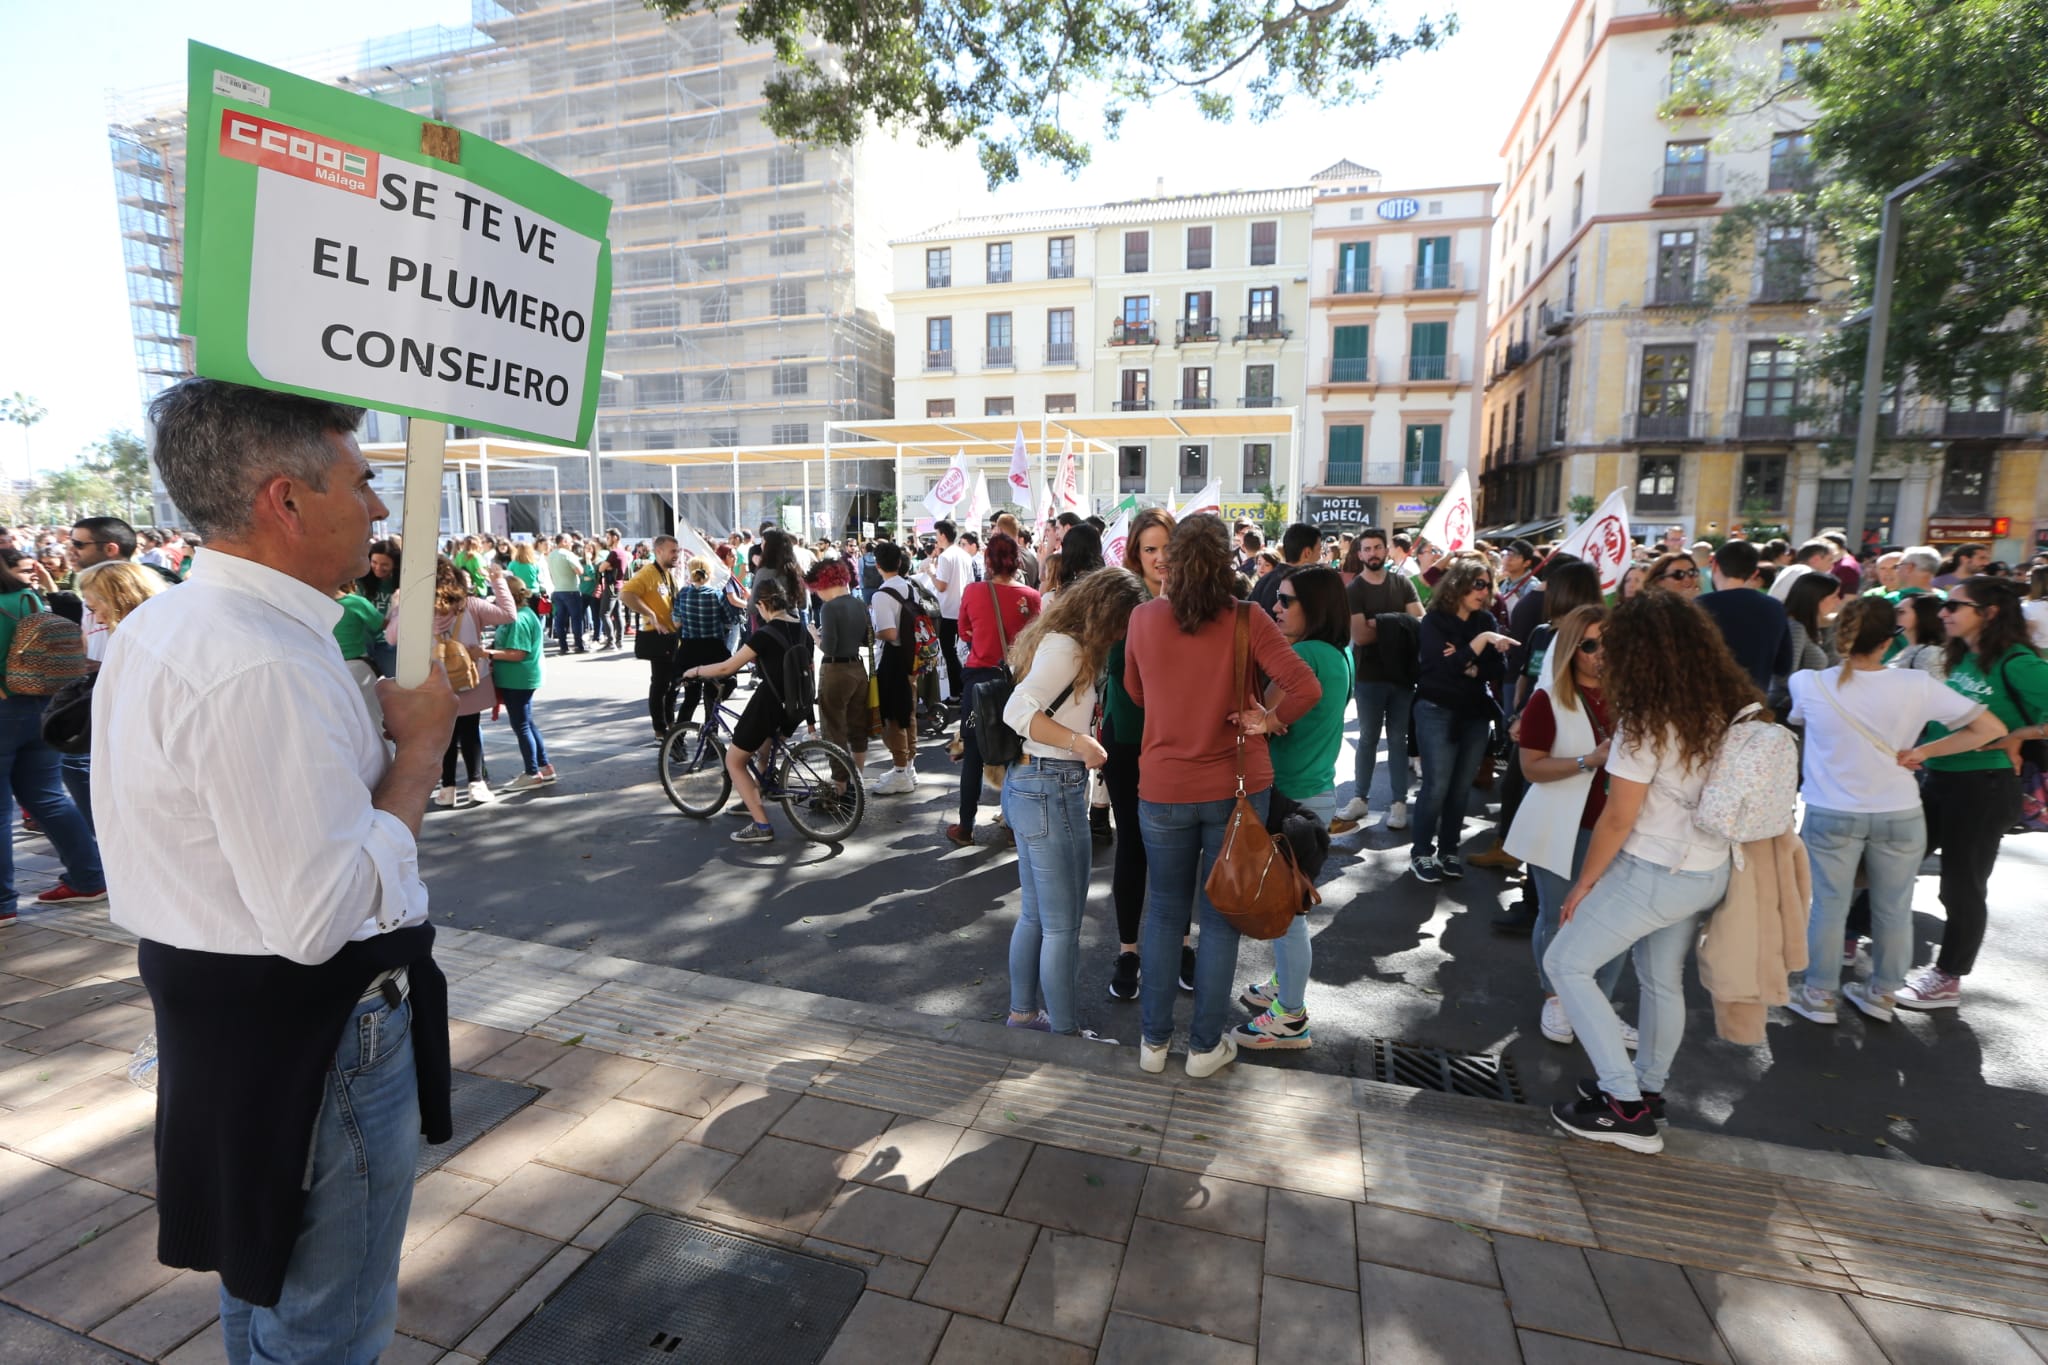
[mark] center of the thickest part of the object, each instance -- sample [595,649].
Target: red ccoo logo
[278,147]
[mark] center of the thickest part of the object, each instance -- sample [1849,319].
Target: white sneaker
[1556,1027]
[444,797]
[1808,1003]
[481,793]
[1208,1063]
[1878,1007]
[1630,1039]
[1354,809]
[1397,815]
[895,782]
[526,782]
[1152,1058]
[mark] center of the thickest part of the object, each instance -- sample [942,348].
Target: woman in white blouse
[1056,662]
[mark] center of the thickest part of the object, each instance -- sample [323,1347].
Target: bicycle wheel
[693,772]
[821,791]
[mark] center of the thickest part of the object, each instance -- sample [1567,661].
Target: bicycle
[817,783]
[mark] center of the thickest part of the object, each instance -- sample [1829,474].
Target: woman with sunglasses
[1972,798]
[1564,734]
[1675,573]
[1461,661]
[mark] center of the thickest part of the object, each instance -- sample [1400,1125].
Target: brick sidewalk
[1015,1197]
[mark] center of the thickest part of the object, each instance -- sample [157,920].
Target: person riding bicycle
[765,718]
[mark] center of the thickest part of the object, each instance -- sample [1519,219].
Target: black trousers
[970,746]
[468,739]
[1127,874]
[691,653]
[663,674]
[949,637]
[1967,815]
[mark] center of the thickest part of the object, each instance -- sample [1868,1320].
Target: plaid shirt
[702,613]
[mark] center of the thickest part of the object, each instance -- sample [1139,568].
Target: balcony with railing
[1436,276]
[1355,281]
[1555,318]
[1131,405]
[1789,282]
[1059,353]
[1513,356]
[1272,328]
[1127,333]
[1258,400]
[1668,426]
[1794,173]
[1433,369]
[1767,426]
[1190,330]
[999,357]
[1190,401]
[938,279]
[1671,290]
[1383,474]
[1352,369]
[938,361]
[1686,182]
[1971,422]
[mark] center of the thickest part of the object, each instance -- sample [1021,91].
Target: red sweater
[1192,756]
[978,620]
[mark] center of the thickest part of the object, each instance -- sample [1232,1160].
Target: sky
[1438,120]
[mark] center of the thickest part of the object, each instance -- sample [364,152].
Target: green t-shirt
[14,606]
[521,632]
[2020,670]
[529,574]
[474,567]
[587,583]
[360,623]
[1305,758]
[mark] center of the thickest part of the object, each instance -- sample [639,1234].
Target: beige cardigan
[1756,938]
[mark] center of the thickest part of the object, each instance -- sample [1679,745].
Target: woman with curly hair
[1650,872]
[1461,659]
[1182,648]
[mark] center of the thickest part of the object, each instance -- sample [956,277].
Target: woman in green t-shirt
[1315,615]
[470,559]
[1971,799]
[515,654]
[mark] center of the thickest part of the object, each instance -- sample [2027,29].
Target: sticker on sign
[235,88]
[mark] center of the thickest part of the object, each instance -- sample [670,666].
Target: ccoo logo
[293,151]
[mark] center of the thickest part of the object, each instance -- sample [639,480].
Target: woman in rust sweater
[1181,648]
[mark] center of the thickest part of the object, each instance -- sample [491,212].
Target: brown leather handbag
[1255,883]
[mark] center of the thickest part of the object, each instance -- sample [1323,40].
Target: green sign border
[220,218]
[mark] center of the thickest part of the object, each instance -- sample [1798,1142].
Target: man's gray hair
[217,443]
[1925,558]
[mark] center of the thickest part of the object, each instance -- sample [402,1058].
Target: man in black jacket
[1754,624]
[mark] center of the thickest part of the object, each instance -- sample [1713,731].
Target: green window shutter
[1347,455]
[1429,338]
[1350,348]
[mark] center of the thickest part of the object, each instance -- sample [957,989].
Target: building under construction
[749,274]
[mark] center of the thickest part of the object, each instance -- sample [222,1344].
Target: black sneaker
[1123,982]
[1519,922]
[1098,825]
[1589,1089]
[1187,968]
[1452,868]
[1606,1119]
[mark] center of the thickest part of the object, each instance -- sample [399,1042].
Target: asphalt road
[900,916]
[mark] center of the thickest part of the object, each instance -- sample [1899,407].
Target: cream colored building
[1397,332]
[1611,364]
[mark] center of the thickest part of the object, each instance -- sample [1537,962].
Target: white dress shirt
[236,763]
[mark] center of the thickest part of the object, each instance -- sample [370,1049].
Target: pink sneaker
[1930,988]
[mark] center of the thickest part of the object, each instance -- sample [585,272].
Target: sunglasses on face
[1678,573]
[1285,599]
[1589,646]
[82,544]
[1955,604]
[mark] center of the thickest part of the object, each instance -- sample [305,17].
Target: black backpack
[797,688]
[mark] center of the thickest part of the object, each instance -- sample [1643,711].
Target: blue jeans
[1551,890]
[1046,804]
[1655,911]
[519,712]
[1389,705]
[340,1300]
[76,770]
[1889,846]
[567,615]
[1452,746]
[31,776]
[1182,840]
[1293,955]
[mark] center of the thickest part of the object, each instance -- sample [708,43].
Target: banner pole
[425,453]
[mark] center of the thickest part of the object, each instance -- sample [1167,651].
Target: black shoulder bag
[999,744]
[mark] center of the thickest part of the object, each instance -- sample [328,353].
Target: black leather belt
[849,659]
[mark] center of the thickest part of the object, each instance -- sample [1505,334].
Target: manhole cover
[1479,1074]
[477,1104]
[665,1292]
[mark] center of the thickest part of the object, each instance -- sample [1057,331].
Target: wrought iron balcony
[938,360]
[1188,330]
[1131,405]
[1125,333]
[1355,281]
[1188,401]
[1351,369]
[1669,426]
[1059,353]
[1272,328]
[999,358]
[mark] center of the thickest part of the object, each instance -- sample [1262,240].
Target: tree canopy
[1898,87]
[1016,77]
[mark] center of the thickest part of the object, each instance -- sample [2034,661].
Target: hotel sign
[1398,209]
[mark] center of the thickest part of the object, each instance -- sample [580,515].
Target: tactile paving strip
[477,1105]
[665,1291]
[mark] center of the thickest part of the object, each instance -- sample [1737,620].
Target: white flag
[1602,540]
[949,490]
[1020,475]
[1449,528]
[1114,540]
[977,509]
[693,543]
[1210,499]
[1066,488]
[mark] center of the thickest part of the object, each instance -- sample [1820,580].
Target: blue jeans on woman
[1046,803]
[1551,890]
[31,776]
[1182,839]
[1293,955]
[1655,911]
[1451,746]
[340,1297]
[1889,846]
[519,712]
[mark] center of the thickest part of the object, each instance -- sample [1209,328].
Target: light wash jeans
[1182,839]
[340,1300]
[1292,954]
[1889,846]
[31,777]
[1452,747]
[1046,804]
[1388,706]
[1551,890]
[1655,911]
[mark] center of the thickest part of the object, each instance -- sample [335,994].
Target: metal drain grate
[477,1104]
[1479,1074]
[665,1292]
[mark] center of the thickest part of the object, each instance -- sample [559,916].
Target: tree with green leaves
[120,460]
[1897,87]
[1014,77]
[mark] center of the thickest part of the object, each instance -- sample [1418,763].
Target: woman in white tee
[1863,805]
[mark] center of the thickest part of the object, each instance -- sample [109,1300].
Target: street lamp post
[596,473]
[1880,316]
